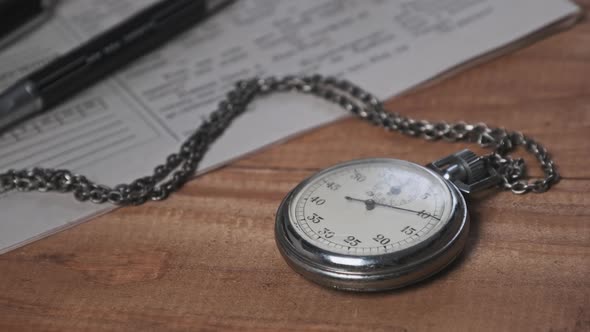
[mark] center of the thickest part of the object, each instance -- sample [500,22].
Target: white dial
[371,207]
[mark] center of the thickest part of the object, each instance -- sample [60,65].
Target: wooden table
[206,259]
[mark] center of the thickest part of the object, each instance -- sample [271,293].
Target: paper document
[122,127]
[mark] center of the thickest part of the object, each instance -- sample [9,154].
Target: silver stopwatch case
[383,270]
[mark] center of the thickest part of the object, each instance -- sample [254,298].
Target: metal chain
[180,166]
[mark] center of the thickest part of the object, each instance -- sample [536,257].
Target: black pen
[88,63]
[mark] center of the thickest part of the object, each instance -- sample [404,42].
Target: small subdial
[393,191]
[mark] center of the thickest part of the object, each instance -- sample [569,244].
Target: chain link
[180,166]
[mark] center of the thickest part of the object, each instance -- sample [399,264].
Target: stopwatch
[377,224]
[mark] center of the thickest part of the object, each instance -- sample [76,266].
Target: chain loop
[179,167]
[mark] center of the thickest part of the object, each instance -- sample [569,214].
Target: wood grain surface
[206,260]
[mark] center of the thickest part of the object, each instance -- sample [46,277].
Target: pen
[88,63]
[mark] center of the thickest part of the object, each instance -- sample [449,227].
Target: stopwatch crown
[473,165]
[467,171]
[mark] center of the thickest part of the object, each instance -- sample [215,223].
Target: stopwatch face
[371,207]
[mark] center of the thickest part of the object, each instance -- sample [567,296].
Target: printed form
[122,127]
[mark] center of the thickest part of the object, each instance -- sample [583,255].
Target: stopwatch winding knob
[473,166]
